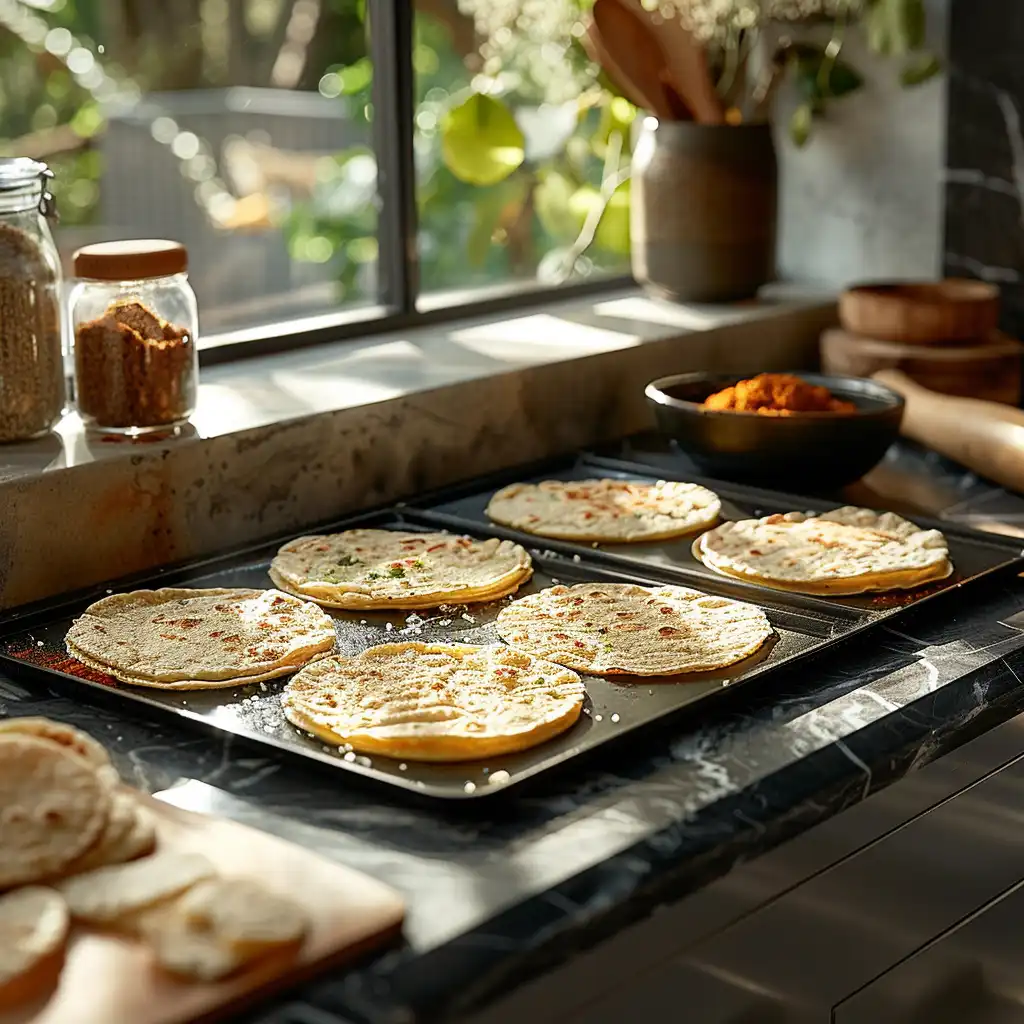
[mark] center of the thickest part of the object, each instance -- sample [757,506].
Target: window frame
[397,307]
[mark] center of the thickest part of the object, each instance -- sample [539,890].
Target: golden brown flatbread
[435,702]
[615,511]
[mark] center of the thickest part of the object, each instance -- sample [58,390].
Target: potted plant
[704,176]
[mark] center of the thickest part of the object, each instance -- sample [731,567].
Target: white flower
[720,20]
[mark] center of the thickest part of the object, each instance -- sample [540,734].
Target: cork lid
[132,259]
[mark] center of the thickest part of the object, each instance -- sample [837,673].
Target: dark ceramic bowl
[803,452]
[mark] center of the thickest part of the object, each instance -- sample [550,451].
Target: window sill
[259,392]
[282,441]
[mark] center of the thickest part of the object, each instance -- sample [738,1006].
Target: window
[514,137]
[332,165]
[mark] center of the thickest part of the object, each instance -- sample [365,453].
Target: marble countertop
[502,892]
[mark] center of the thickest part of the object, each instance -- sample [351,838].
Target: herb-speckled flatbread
[364,569]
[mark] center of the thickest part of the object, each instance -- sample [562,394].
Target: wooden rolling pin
[986,437]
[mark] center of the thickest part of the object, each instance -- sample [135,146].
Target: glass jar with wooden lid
[134,320]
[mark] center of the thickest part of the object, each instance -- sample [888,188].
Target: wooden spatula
[682,54]
[640,85]
[632,48]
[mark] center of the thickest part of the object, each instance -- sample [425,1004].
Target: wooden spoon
[647,93]
[682,54]
[631,47]
[986,437]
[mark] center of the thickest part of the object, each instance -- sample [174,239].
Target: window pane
[239,127]
[515,136]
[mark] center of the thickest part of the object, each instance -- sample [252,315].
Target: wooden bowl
[921,313]
[804,452]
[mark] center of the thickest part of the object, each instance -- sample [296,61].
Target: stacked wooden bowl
[942,334]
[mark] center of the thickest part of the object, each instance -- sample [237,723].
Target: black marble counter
[499,893]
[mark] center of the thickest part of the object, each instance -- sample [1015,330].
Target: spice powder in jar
[134,318]
[31,356]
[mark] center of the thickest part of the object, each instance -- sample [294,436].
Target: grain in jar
[134,318]
[32,378]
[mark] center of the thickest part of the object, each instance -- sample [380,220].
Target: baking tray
[974,554]
[33,647]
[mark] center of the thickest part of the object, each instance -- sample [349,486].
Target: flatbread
[219,926]
[435,702]
[616,511]
[623,629]
[129,833]
[364,569]
[200,639]
[243,915]
[66,736]
[187,952]
[34,925]
[847,551]
[53,807]
[110,894]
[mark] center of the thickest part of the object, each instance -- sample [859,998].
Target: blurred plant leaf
[895,27]
[821,77]
[493,209]
[920,70]
[355,77]
[800,124]
[552,200]
[88,120]
[481,144]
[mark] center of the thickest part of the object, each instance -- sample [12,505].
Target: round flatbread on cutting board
[435,702]
[847,551]
[363,569]
[615,511]
[200,639]
[623,629]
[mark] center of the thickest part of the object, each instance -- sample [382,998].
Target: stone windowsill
[284,441]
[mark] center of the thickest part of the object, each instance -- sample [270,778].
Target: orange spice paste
[776,394]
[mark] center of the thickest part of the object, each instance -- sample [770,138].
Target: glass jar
[134,319]
[32,385]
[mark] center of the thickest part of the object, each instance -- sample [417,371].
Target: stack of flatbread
[70,841]
[847,551]
[623,629]
[200,639]
[435,702]
[364,569]
[616,511]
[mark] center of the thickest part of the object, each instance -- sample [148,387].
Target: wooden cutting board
[108,979]
[990,369]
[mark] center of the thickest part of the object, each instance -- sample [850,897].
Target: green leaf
[87,120]
[821,77]
[494,208]
[895,27]
[551,201]
[920,70]
[356,77]
[481,144]
[800,125]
